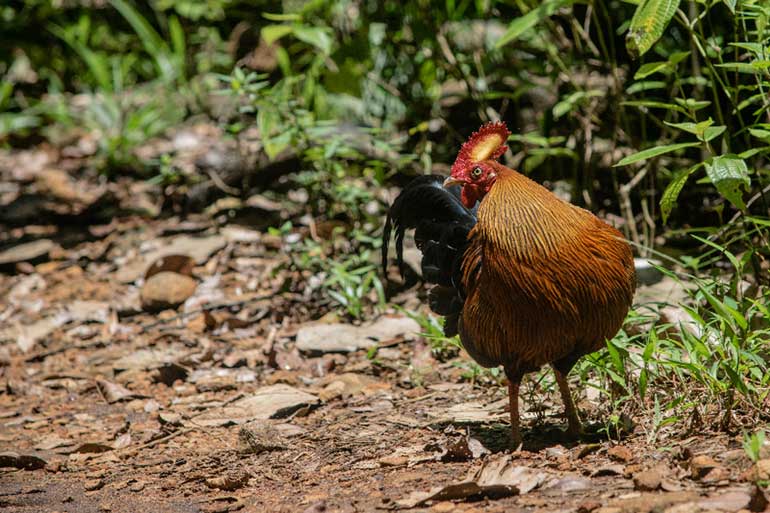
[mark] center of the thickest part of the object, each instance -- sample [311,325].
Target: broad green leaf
[653,152]
[520,25]
[648,24]
[730,5]
[729,174]
[316,36]
[670,195]
[272,33]
[712,132]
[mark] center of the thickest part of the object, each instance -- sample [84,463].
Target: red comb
[485,144]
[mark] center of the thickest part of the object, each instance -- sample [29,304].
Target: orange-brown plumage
[545,280]
[539,281]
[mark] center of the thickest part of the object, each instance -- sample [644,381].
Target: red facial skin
[475,184]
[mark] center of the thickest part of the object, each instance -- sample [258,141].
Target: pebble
[166,290]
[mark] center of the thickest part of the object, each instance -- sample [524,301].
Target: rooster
[525,278]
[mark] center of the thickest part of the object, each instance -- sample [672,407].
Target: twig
[222,185]
[625,194]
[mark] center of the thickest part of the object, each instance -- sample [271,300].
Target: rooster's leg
[574,426]
[514,380]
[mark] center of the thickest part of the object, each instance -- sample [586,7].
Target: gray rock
[345,338]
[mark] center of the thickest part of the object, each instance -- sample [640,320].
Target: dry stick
[207,308]
[625,194]
[222,185]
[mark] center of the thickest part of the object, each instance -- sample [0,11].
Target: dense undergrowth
[653,114]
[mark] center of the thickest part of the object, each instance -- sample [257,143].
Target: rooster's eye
[476,172]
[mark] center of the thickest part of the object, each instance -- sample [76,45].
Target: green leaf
[567,104]
[677,57]
[728,173]
[653,152]
[520,25]
[670,195]
[281,17]
[650,68]
[646,85]
[691,104]
[272,33]
[760,133]
[316,36]
[648,24]
[703,130]
[745,67]
[651,104]
[712,132]
[696,129]
[277,144]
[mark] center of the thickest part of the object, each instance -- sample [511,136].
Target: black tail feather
[441,223]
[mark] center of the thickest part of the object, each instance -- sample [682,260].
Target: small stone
[728,501]
[166,290]
[170,418]
[258,437]
[588,506]
[443,507]
[620,453]
[557,452]
[702,465]
[93,484]
[136,487]
[228,483]
[763,470]
[609,470]
[393,461]
[648,480]
[29,251]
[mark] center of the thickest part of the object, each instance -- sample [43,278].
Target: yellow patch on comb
[485,146]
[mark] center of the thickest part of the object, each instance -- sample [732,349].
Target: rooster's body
[526,279]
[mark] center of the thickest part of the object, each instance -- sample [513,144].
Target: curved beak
[452,181]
